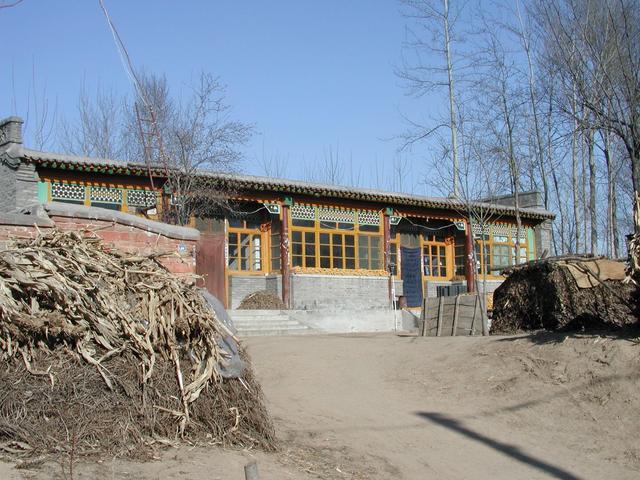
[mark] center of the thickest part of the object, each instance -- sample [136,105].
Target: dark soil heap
[102,351]
[545,295]
[262,300]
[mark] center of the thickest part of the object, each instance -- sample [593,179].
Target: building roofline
[280,185]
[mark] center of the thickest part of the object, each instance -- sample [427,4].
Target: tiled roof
[238,182]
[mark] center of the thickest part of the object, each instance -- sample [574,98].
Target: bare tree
[433,32]
[98,129]
[595,47]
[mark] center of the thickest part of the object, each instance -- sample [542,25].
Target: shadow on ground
[510,450]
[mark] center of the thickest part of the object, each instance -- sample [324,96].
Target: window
[109,197]
[482,257]
[495,247]
[460,257]
[303,249]
[435,253]
[435,260]
[245,252]
[369,252]
[333,238]
[276,226]
[244,241]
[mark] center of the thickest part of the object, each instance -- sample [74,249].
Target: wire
[431,229]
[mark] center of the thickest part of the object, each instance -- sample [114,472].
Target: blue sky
[311,75]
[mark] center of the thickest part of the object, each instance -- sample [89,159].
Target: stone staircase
[267,322]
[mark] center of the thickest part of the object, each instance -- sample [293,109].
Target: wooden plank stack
[451,316]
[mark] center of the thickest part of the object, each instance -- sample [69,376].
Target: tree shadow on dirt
[542,337]
[510,450]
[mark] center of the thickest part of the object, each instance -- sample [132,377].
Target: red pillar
[284,257]
[470,267]
[386,228]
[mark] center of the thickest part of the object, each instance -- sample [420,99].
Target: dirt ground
[389,407]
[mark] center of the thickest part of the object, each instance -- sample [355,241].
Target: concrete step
[270,323]
[289,331]
[257,313]
[267,322]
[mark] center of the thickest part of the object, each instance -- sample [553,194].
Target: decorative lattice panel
[67,191]
[106,195]
[141,198]
[303,212]
[523,234]
[369,218]
[502,230]
[477,229]
[336,215]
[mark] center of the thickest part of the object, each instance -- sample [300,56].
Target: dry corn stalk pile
[117,341]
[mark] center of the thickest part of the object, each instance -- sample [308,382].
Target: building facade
[316,246]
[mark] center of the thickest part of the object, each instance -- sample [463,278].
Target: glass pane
[256,253]
[327,225]
[350,252]
[349,240]
[350,264]
[325,262]
[236,222]
[324,239]
[310,250]
[244,264]
[345,226]
[296,249]
[427,262]
[338,262]
[337,251]
[363,262]
[337,239]
[296,236]
[325,250]
[369,228]
[310,262]
[244,246]
[309,237]
[303,223]
[296,261]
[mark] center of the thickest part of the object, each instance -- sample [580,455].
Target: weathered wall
[337,292]
[131,235]
[7,187]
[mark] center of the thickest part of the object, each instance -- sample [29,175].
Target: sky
[312,76]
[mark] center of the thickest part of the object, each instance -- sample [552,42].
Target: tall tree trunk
[574,178]
[592,192]
[524,37]
[610,242]
[514,174]
[452,109]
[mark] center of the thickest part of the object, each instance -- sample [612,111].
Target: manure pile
[102,351]
[561,294]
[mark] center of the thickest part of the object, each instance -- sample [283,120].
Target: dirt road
[387,407]
[453,408]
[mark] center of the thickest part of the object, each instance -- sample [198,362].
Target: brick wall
[311,292]
[178,254]
[7,187]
